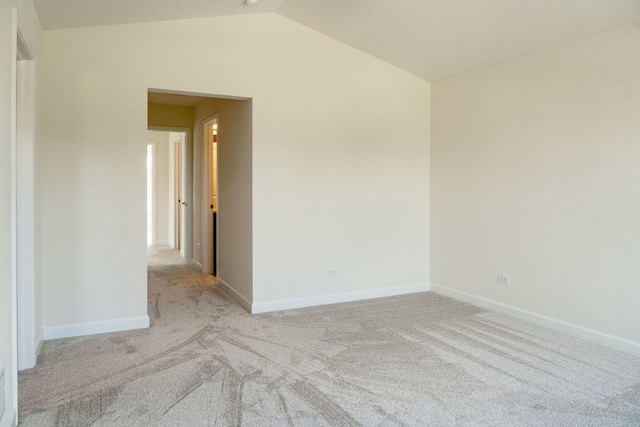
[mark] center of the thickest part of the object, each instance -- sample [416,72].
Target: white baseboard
[577,331]
[10,418]
[235,294]
[196,263]
[91,328]
[162,242]
[39,346]
[287,304]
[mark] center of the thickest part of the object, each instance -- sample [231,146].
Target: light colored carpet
[417,360]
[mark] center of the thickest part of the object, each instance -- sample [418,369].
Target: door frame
[26,335]
[187,176]
[207,193]
[23,203]
[152,144]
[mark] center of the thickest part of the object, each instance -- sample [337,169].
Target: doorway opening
[217,181]
[210,192]
[166,189]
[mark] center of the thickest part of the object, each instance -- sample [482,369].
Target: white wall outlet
[198,245]
[503,278]
[332,272]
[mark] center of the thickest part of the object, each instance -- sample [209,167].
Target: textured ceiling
[432,39]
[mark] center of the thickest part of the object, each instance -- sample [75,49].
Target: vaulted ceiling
[433,39]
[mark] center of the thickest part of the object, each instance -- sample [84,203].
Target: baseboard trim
[574,330]
[288,304]
[39,346]
[235,294]
[10,418]
[92,328]
[197,264]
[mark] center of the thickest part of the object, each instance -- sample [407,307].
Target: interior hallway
[420,359]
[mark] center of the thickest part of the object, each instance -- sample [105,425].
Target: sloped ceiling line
[432,39]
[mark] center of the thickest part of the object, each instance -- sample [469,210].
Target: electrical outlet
[332,272]
[503,278]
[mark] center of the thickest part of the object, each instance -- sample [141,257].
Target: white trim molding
[207,194]
[571,329]
[287,304]
[25,220]
[235,295]
[92,328]
[40,341]
[10,418]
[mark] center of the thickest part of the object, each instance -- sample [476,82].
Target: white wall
[535,175]
[161,189]
[340,158]
[235,231]
[29,25]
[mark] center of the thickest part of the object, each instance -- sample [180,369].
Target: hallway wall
[169,115]
[161,190]
[235,231]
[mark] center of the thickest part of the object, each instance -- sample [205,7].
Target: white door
[177,197]
[183,202]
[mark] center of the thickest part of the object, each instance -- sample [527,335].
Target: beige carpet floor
[416,360]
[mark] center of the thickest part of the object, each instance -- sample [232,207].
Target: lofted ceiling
[432,39]
[58,14]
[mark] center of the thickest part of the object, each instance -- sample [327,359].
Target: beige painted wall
[340,158]
[32,32]
[162,205]
[170,115]
[234,201]
[535,175]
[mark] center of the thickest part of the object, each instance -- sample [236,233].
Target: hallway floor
[414,360]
